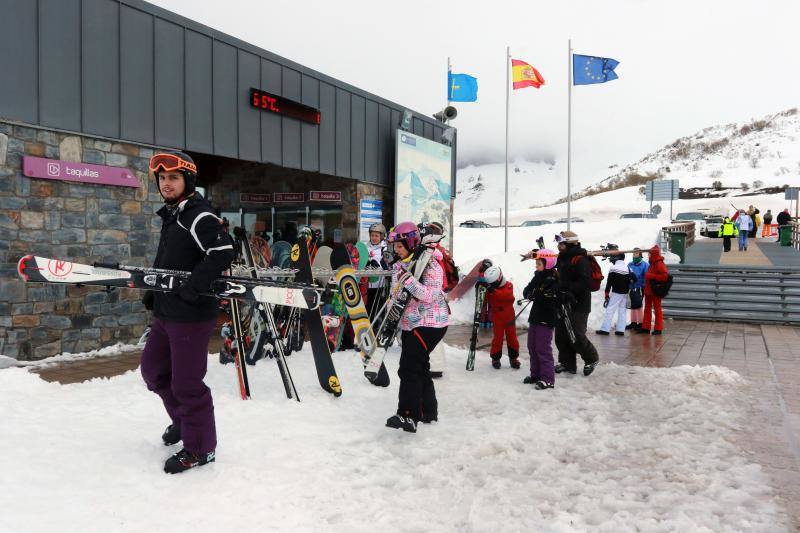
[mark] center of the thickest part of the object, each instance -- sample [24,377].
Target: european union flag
[587,70]
[461,88]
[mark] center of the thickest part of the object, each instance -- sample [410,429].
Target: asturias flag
[589,69]
[461,88]
[524,75]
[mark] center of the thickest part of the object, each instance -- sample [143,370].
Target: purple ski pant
[174,363]
[540,348]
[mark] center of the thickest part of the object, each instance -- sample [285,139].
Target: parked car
[713,224]
[638,215]
[529,223]
[697,217]
[571,220]
[474,224]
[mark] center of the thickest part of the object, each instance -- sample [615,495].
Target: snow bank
[629,449]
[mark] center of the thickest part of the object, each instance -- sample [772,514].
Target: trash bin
[677,244]
[785,235]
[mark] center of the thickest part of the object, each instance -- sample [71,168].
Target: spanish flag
[524,75]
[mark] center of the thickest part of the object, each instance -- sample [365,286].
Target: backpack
[450,271]
[597,277]
[661,288]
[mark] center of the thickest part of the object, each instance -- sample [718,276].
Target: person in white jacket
[376,247]
[618,285]
[745,224]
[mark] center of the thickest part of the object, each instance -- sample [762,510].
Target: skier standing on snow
[376,248]
[618,284]
[423,325]
[175,358]
[638,268]
[575,273]
[542,291]
[500,296]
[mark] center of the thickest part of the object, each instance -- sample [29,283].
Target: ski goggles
[169,163]
[558,238]
[395,236]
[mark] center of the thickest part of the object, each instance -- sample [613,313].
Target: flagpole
[569,133]
[448,81]
[508,56]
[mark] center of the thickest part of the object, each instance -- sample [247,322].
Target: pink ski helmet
[406,233]
[548,256]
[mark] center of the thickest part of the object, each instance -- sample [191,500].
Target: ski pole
[519,302]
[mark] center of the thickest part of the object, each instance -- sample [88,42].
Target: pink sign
[255,198]
[55,169]
[279,197]
[325,196]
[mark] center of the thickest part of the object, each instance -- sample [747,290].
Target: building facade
[102,84]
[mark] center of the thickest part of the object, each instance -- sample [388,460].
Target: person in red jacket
[657,271]
[500,295]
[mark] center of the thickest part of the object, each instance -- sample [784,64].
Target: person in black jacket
[174,360]
[542,291]
[618,284]
[575,274]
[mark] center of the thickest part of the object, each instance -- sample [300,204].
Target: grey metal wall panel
[170,119]
[199,122]
[417,126]
[427,131]
[310,132]
[394,123]
[291,127]
[18,43]
[136,75]
[60,67]
[271,142]
[342,132]
[225,108]
[371,142]
[384,145]
[100,67]
[437,133]
[249,117]
[357,140]
[327,129]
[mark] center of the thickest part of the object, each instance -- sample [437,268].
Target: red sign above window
[273,103]
[325,196]
[287,197]
[255,198]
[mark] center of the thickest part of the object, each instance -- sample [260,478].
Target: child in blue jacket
[638,266]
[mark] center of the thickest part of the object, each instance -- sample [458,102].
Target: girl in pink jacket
[423,325]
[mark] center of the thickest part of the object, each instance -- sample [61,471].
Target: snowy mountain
[760,156]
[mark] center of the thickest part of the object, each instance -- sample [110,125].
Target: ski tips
[22,265]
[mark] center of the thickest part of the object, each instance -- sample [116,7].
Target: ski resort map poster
[423,175]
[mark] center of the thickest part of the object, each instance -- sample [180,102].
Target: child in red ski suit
[500,295]
[657,271]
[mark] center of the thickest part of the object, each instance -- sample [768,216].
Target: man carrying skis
[575,274]
[175,358]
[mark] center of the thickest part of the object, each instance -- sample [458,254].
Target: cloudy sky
[684,64]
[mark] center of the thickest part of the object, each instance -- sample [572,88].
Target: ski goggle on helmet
[171,162]
[548,256]
[407,233]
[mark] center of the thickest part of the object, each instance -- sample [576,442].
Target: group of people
[743,225]
[560,295]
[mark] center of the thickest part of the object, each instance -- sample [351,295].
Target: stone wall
[75,221]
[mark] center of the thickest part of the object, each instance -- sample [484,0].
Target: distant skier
[637,267]
[175,358]
[423,325]
[500,296]
[745,224]
[727,231]
[618,284]
[543,293]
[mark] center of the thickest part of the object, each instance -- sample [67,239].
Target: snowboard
[469,281]
[326,373]
[362,328]
[480,297]
[281,254]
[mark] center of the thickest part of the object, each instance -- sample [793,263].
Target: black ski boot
[513,359]
[529,380]
[427,418]
[184,460]
[619,333]
[496,360]
[542,385]
[171,435]
[404,422]
[601,332]
[588,369]
[561,368]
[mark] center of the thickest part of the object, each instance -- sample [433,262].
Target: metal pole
[569,134]
[508,56]
[448,84]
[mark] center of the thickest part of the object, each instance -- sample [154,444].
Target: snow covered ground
[629,449]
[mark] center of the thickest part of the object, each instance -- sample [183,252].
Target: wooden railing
[678,227]
[795,224]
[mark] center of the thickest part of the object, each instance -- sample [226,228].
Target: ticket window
[329,221]
[288,219]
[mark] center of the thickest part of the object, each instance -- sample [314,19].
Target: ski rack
[263,273]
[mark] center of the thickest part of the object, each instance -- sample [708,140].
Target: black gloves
[373,264]
[148,299]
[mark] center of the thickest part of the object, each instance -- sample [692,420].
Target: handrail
[795,225]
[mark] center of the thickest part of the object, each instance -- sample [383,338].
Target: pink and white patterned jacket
[427,308]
